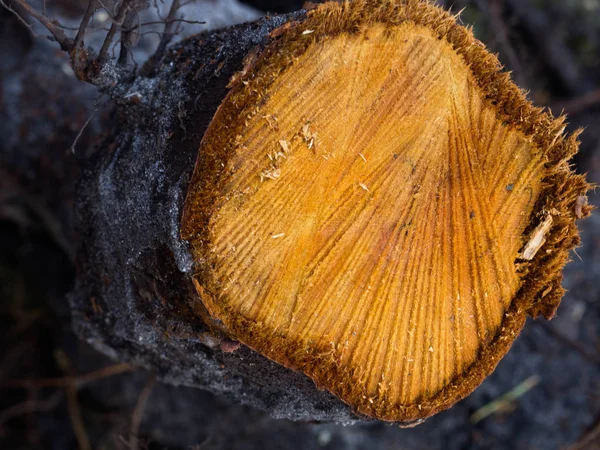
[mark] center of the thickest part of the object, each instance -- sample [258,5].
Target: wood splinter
[538,239]
[390,263]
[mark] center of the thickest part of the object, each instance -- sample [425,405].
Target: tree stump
[375,207]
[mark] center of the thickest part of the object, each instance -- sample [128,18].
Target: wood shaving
[284,145]
[274,156]
[306,131]
[271,121]
[537,239]
[271,174]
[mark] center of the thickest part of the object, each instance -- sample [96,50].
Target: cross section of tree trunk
[377,205]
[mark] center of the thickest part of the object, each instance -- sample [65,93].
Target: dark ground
[553,48]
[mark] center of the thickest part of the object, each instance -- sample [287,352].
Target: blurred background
[58,393]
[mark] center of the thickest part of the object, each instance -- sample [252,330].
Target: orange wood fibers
[366,226]
[393,239]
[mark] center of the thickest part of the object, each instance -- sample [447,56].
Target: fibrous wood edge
[541,292]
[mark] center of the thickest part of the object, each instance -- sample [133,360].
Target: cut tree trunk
[374,205]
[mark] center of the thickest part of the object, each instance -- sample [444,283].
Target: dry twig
[89,66]
[63,382]
[31,406]
[552,50]
[590,440]
[171,24]
[89,12]
[138,412]
[580,104]
[592,357]
[76,419]
[493,9]
[53,27]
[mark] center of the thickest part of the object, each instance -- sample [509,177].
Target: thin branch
[54,28]
[112,17]
[18,16]
[107,41]
[82,129]
[64,27]
[592,357]
[493,10]
[135,64]
[557,57]
[588,439]
[160,34]
[163,19]
[89,12]
[118,22]
[138,412]
[31,406]
[169,31]
[161,22]
[582,103]
[127,35]
[86,65]
[67,381]
[76,420]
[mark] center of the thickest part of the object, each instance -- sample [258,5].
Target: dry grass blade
[62,382]
[505,402]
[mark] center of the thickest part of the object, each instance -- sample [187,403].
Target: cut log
[377,205]
[374,205]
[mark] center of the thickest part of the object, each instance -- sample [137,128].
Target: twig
[556,55]
[588,355]
[118,21]
[162,22]
[163,19]
[79,381]
[13,355]
[76,420]
[153,62]
[493,11]
[138,412]
[57,33]
[49,221]
[31,406]
[89,12]
[588,440]
[84,61]
[82,130]
[112,16]
[581,103]
[18,16]
[126,36]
